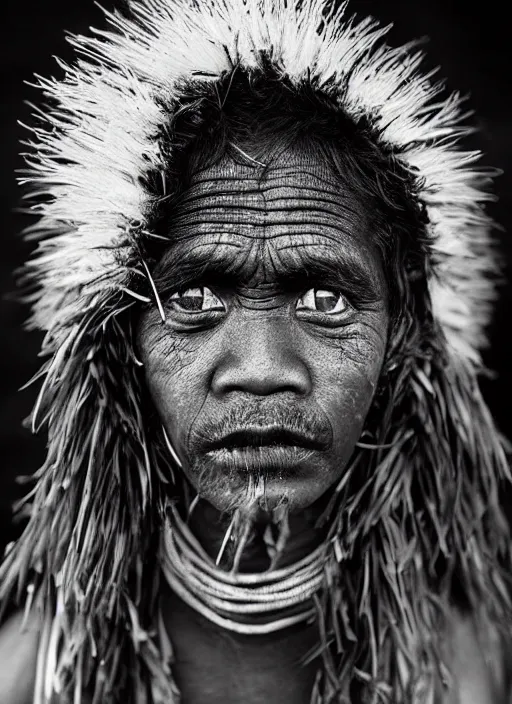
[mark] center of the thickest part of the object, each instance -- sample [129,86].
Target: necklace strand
[281,598]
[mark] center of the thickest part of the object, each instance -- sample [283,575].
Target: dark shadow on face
[275,333]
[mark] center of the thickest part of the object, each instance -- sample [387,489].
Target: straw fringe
[418,521]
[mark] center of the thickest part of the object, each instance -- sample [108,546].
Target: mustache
[262,425]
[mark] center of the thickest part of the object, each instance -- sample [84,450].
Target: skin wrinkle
[186,266]
[307,170]
[259,348]
[267,188]
[257,212]
[246,223]
[196,201]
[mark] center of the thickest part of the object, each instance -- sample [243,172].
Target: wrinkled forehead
[268,215]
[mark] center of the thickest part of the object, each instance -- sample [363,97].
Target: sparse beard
[235,490]
[245,503]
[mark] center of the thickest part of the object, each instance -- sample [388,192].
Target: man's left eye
[198,299]
[322,301]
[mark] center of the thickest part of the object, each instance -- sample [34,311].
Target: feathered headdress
[420,510]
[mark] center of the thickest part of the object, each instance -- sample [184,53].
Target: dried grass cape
[87,557]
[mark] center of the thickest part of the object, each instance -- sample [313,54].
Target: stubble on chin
[232,490]
[242,499]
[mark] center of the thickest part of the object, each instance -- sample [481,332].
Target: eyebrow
[339,270]
[343,270]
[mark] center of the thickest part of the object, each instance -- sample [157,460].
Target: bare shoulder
[479,664]
[18,655]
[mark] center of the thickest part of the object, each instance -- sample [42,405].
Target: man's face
[275,332]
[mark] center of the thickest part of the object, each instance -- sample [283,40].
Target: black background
[470,41]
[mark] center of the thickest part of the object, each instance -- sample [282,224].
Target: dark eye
[322,301]
[197,299]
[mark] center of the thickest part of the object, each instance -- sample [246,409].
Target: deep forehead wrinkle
[293,161]
[292,219]
[281,196]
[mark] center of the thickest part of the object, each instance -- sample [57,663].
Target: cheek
[347,377]
[175,374]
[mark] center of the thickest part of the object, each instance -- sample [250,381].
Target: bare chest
[215,666]
[219,667]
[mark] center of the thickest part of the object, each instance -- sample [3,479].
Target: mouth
[259,438]
[263,448]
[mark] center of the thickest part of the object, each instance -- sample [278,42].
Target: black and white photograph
[256,283]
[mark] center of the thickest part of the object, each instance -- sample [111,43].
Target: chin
[229,491]
[298,493]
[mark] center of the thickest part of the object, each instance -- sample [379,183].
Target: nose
[260,358]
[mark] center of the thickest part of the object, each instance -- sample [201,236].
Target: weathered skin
[258,352]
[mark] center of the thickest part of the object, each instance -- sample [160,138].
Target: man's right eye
[197,299]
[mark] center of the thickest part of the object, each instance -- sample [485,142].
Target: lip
[260,439]
[263,457]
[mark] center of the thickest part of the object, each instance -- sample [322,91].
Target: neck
[294,535]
